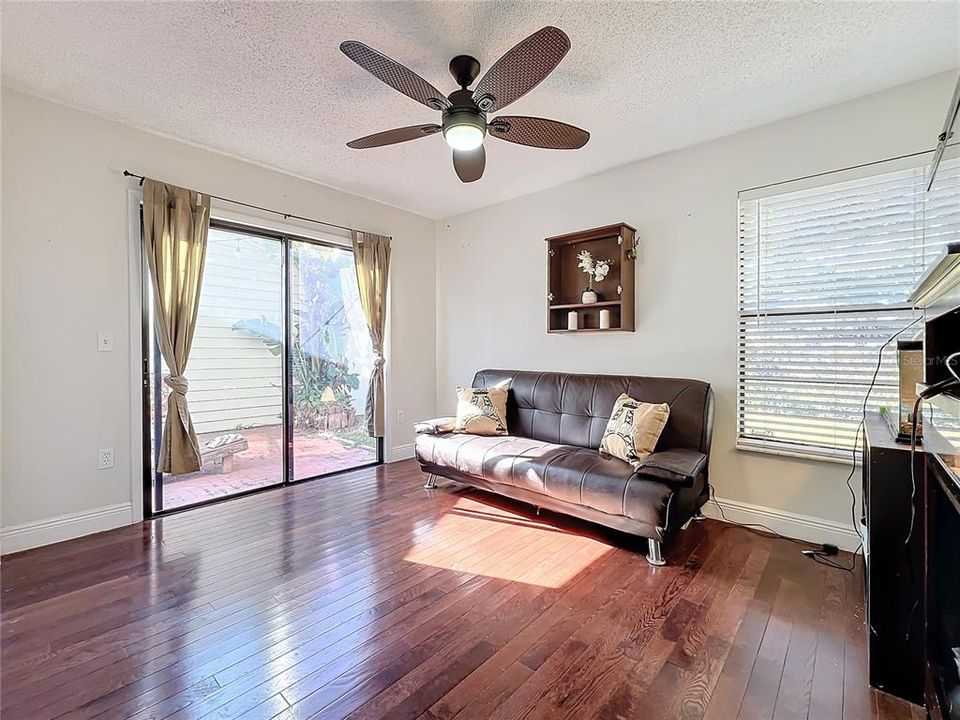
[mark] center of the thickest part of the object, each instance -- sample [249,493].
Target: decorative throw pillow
[481,411]
[436,426]
[633,429]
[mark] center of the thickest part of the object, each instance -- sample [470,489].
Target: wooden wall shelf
[577,306]
[566,281]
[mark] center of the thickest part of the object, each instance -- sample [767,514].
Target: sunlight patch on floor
[475,538]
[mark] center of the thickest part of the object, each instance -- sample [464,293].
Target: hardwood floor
[366,596]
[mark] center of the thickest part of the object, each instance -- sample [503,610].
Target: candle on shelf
[572,320]
[604,319]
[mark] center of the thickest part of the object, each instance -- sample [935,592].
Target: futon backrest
[573,409]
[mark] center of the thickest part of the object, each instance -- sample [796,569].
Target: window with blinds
[824,275]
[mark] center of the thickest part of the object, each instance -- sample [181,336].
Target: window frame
[844,456]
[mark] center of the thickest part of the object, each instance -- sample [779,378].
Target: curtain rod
[831,172]
[284,215]
[843,169]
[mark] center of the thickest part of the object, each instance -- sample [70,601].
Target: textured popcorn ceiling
[266,82]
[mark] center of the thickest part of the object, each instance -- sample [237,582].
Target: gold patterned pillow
[481,411]
[633,429]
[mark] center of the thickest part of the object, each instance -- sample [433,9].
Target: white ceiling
[266,82]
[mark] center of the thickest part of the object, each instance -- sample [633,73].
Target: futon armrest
[436,426]
[678,465]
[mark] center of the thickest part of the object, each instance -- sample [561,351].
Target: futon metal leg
[431,482]
[655,552]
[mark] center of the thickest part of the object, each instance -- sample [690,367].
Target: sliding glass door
[331,361]
[278,370]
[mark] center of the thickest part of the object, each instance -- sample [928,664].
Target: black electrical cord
[748,526]
[860,429]
[863,420]
[820,556]
[930,392]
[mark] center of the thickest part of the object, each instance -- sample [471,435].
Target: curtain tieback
[379,362]
[177,383]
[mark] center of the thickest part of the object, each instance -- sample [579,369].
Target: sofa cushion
[492,458]
[574,474]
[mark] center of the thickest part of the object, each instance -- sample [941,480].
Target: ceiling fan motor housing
[464,111]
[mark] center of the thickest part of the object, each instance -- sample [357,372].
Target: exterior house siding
[235,381]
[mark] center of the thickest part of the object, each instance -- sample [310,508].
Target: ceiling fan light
[464,130]
[463,137]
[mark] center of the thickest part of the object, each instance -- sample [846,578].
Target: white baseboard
[401,452]
[793,525]
[65,527]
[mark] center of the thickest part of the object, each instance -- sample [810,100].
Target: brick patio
[260,465]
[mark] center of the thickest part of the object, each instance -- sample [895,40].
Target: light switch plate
[104,342]
[399,416]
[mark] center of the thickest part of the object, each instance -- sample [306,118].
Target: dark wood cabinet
[912,583]
[894,541]
[941,601]
[566,282]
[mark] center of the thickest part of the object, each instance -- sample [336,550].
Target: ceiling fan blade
[521,69]
[390,137]
[469,164]
[394,74]
[537,132]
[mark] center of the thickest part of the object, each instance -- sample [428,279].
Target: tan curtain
[175,226]
[371,254]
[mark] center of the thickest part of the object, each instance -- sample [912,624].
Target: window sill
[837,457]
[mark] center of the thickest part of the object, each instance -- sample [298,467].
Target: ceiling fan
[464,122]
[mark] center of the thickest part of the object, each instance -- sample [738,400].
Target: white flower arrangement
[596,269]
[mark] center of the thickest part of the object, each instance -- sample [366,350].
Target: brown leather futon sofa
[550,458]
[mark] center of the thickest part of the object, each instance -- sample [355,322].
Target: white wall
[491,277]
[65,277]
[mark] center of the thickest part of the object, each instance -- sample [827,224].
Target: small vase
[589,296]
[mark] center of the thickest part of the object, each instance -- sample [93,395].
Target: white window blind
[824,275]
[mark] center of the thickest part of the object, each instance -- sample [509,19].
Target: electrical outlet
[105,459]
[104,342]
[399,416]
